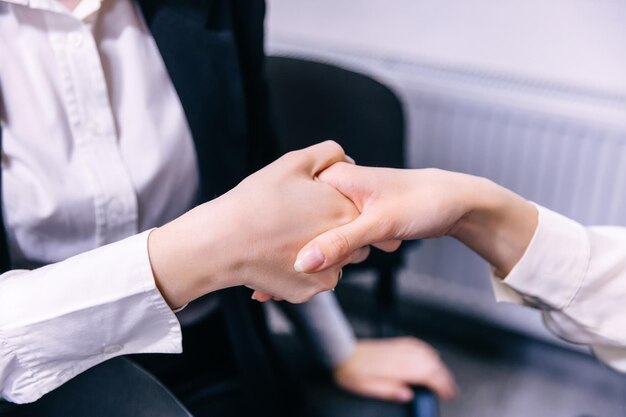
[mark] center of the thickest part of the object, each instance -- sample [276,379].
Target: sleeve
[322,322]
[60,320]
[577,277]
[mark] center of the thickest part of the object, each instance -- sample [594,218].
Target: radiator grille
[574,167]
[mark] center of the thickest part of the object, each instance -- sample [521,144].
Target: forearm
[498,224]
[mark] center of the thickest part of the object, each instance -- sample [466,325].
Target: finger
[420,364]
[261,296]
[432,373]
[347,179]
[351,181]
[442,383]
[322,155]
[388,246]
[386,389]
[335,245]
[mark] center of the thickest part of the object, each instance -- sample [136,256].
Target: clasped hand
[288,229]
[393,205]
[250,236]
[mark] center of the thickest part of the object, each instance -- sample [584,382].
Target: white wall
[529,93]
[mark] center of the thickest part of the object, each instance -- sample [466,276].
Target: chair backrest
[313,101]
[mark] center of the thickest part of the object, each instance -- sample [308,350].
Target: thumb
[261,296]
[336,245]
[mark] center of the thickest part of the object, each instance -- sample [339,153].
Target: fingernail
[253,296]
[350,159]
[309,260]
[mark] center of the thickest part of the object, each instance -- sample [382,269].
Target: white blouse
[95,149]
[577,276]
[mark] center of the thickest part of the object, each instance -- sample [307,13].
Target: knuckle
[429,353]
[330,149]
[332,146]
[291,156]
[410,341]
[432,369]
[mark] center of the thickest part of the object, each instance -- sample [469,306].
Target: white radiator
[567,163]
[567,153]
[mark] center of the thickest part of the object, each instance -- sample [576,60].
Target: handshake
[287,230]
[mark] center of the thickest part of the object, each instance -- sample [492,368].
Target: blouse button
[75,39]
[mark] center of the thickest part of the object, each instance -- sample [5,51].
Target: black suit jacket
[213,51]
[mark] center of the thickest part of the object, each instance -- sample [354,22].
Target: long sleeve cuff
[577,277]
[59,320]
[552,269]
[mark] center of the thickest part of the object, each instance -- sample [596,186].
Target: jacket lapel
[213,51]
[197,44]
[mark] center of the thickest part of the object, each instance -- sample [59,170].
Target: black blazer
[213,51]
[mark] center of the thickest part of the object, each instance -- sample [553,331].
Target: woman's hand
[387,368]
[400,204]
[395,205]
[251,235]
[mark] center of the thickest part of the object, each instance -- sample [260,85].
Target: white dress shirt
[577,276]
[96,149]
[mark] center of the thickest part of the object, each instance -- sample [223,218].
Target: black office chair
[313,101]
[117,388]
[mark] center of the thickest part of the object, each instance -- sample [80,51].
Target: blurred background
[530,94]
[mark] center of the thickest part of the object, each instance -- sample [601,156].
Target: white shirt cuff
[59,320]
[552,269]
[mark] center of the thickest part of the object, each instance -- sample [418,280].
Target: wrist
[480,203]
[186,257]
[497,224]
